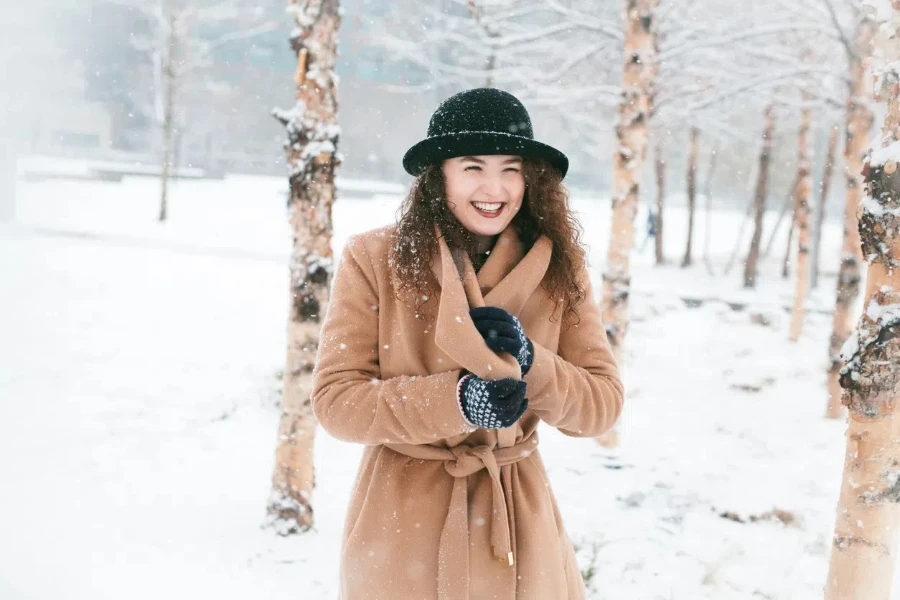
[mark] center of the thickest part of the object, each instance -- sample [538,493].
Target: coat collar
[507,279]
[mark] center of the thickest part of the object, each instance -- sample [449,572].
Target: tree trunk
[864,547]
[311,148]
[632,130]
[8,174]
[820,209]
[759,198]
[786,206]
[660,201]
[859,120]
[691,195]
[740,235]
[786,263]
[476,11]
[707,196]
[801,218]
[168,80]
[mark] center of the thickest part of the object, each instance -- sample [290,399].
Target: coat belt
[460,462]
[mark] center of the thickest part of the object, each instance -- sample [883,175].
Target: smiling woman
[484,193]
[448,338]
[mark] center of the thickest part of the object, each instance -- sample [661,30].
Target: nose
[493,187]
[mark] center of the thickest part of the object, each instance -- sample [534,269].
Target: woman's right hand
[492,404]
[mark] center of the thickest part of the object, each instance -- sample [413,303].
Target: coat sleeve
[578,390]
[349,398]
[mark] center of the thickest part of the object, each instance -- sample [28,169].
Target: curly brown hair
[545,210]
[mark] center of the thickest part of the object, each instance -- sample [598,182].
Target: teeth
[492,207]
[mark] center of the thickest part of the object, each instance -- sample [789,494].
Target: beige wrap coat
[442,510]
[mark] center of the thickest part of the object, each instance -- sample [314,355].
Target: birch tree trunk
[858,124]
[168,80]
[759,199]
[786,262]
[311,147]
[691,195]
[801,218]
[660,201]
[632,130]
[864,548]
[787,205]
[820,207]
[707,196]
[8,163]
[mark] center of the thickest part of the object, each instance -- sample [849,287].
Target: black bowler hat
[480,121]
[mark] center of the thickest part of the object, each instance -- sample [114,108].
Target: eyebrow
[515,159]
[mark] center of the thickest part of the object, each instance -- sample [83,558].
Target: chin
[488,228]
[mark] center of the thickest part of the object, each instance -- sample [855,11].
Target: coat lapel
[507,279]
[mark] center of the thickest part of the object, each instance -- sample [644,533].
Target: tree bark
[759,198]
[820,209]
[313,136]
[660,201]
[859,120]
[864,547]
[691,195]
[801,219]
[632,131]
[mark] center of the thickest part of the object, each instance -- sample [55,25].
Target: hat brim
[434,150]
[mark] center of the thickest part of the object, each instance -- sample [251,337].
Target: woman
[449,336]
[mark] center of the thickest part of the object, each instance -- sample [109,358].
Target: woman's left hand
[502,332]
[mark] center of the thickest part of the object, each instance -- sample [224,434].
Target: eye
[472,167]
[513,169]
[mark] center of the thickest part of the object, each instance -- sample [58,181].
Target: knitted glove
[502,332]
[492,404]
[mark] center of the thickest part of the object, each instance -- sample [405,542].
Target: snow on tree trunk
[864,547]
[801,219]
[759,199]
[632,131]
[691,195]
[312,158]
[660,201]
[820,207]
[859,117]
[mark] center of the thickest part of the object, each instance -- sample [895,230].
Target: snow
[140,372]
[880,156]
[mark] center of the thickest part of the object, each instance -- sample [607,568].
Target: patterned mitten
[492,404]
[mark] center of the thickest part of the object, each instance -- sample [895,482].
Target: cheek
[460,191]
[517,193]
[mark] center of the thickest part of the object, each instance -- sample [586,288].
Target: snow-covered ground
[139,383]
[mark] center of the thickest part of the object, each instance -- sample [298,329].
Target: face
[484,192]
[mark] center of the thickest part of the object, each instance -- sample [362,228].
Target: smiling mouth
[489,208]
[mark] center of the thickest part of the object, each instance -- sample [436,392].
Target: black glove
[502,332]
[492,404]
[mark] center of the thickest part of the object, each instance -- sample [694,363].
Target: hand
[492,404]
[502,332]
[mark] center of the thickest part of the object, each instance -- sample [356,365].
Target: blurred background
[142,351]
